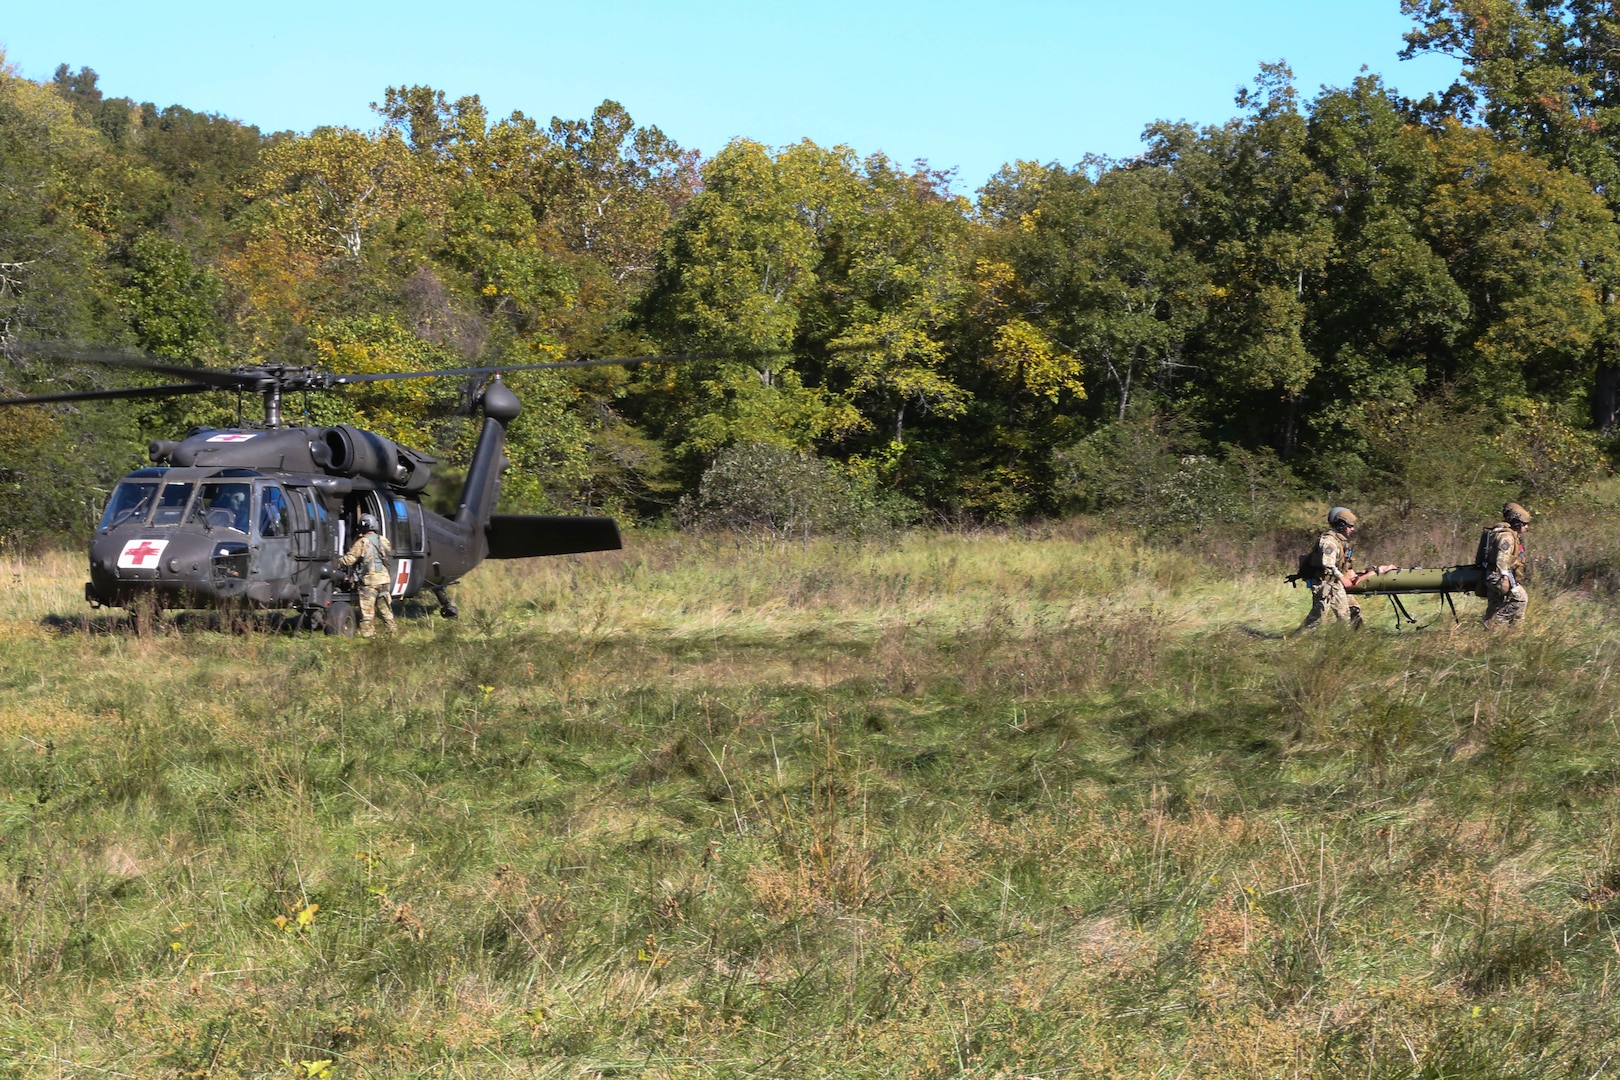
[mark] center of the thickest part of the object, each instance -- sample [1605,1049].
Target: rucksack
[374,555]
[1310,563]
[1484,557]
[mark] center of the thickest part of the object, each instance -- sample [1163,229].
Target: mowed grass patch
[1054,805]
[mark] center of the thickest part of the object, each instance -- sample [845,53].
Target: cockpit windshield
[223,506]
[172,504]
[130,503]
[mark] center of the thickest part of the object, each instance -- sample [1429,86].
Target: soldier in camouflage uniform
[1503,556]
[370,553]
[1335,565]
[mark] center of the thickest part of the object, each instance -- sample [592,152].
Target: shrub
[783,494]
[1152,468]
[1549,457]
[1434,459]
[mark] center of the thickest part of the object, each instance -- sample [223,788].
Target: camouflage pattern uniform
[1327,592]
[1505,598]
[370,552]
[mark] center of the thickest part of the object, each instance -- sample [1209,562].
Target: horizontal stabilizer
[524,536]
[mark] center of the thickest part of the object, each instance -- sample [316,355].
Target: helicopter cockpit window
[223,506]
[130,503]
[172,503]
[273,514]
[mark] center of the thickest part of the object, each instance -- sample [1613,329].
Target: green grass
[1045,805]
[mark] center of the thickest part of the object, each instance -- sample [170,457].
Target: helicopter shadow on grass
[216,622]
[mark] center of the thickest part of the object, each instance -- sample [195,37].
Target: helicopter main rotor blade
[104,395]
[229,380]
[618,361]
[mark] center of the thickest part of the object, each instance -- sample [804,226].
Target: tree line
[1358,291]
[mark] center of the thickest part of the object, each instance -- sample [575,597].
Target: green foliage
[861,267]
[1152,469]
[1537,73]
[413,412]
[771,491]
[56,471]
[1090,270]
[173,303]
[1537,251]
[1288,283]
[1550,457]
[50,259]
[1438,458]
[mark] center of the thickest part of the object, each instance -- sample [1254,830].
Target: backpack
[1310,563]
[1485,556]
[375,554]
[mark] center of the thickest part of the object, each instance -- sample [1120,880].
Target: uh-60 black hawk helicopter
[258,516]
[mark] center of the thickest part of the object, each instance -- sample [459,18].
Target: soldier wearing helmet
[370,552]
[1501,552]
[1333,571]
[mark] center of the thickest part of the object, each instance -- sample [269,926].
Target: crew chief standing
[370,552]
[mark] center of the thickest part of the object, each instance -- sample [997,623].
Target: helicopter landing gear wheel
[447,608]
[340,619]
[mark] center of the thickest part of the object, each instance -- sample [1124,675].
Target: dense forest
[1358,293]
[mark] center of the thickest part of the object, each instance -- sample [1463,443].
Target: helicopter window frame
[272,500]
[167,511]
[122,509]
[407,521]
[212,514]
[314,514]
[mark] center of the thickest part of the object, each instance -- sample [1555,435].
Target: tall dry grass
[1051,803]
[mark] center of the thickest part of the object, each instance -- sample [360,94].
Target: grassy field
[1052,804]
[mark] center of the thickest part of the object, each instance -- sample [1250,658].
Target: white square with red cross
[141,554]
[402,577]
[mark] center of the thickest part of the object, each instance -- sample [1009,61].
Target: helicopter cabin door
[272,543]
[405,532]
[309,525]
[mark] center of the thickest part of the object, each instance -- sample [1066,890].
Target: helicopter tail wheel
[340,618]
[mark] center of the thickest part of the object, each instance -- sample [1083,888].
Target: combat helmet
[1514,514]
[1339,516]
[368,523]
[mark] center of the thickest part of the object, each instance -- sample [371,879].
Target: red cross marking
[146,550]
[402,577]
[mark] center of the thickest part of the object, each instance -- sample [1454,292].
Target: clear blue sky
[969,85]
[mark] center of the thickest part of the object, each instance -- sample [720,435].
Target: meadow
[1043,803]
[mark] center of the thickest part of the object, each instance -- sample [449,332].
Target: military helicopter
[258,516]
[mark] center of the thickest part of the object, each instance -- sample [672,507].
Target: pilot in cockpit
[224,506]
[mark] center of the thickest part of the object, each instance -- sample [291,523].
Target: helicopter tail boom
[483,487]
